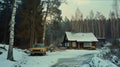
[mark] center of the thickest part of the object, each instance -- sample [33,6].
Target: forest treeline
[97,23]
[33,18]
[102,28]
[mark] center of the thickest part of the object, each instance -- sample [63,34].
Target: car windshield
[38,46]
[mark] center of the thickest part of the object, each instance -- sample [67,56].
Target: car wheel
[44,53]
[31,54]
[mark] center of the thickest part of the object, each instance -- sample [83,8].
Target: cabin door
[74,45]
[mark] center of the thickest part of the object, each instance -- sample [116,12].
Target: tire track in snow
[74,62]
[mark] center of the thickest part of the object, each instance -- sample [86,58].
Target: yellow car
[38,49]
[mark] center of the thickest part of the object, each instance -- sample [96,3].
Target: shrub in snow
[62,48]
[0,52]
[115,52]
[26,51]
[51,48]
[97,62]
[114,59]
[107,44]
[104,53]
[3,47]
[115,44]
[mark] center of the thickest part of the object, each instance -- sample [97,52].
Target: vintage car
[38,49]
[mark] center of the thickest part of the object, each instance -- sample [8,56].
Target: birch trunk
[11,40]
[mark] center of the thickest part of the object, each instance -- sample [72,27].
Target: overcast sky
[85,6]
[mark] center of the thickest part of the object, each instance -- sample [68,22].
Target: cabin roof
[81,37]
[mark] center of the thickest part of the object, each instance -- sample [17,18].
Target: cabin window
[87,44]
[67,44]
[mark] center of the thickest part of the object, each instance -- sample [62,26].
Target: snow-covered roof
[81,37]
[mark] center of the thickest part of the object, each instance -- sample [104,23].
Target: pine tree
[5,16]
[54,13]
[31,25]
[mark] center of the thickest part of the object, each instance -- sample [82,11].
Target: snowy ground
[52,58]
[76,61]
[69,58]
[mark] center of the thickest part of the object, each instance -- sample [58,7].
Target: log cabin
[79,40]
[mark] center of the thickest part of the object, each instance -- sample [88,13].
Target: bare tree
[116,8]
[91,16]
[78,14]
[11,40]
[44,20]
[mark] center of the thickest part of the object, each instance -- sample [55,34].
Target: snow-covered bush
[97,62]
[26,51]
[111,51]
[114,59]
[0,52]
[2,47]
[107,44]
[115,44]
[104,53]
[115,48]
